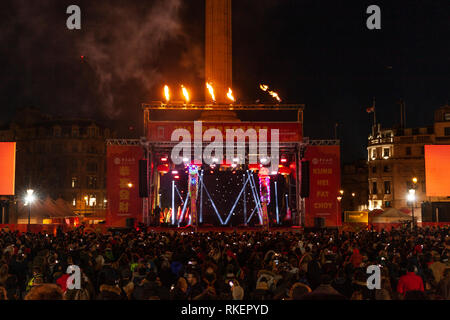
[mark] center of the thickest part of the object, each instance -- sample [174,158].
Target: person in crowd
[139,265]
[46,291]
[410,281]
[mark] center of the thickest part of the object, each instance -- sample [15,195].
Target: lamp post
[29,198]
[411,197]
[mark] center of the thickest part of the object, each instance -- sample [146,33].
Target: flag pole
[374,113]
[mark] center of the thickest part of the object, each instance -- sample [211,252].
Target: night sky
[315,52]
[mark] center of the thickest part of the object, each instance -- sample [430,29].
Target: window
[92,200]
[447,131]
[74,200]
[57,131]
[385,152]
[374,153]
[374,188]
[74,165]
[408,151]
[447,116]
[92,182]
[57,148]
[74,182]
[75,132]
[91,166]
[387,187]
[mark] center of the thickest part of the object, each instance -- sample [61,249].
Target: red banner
[123,184]
[161,131]
[325,177]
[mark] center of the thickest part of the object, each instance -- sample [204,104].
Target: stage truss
[157,149]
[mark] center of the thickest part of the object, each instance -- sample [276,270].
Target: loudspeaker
[130,222]
[304,185]
[143,179]
[319,222]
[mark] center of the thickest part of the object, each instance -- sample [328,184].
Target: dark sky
[315,52]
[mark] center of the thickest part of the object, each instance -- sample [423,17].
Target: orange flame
[185,93]
[166,93]
[272,93]
[230,95]
[211,91]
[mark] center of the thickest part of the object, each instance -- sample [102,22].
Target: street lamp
[29,199]
[411,197]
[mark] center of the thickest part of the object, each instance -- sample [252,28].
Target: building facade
[355,190]
[396,163]
[60,158]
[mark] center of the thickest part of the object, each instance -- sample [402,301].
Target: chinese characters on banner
[325,177]
[123,184]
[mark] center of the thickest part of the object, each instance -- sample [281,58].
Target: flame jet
[230,95]
[272,93]
[185,94]
[167,93]
[211,91]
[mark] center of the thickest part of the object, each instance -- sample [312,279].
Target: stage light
[177,177]
[174,172]
[215,160]
[263,160]
[185,160]
[130,185]
[236,159]
[163,159]
[283,160]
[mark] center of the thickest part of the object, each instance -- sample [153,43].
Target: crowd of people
[141,265]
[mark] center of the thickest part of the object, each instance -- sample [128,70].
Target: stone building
[60,158]
[396,162]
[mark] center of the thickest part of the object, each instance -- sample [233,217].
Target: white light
[29,198]
[174,172]
[233,165]
[263,160]
[274,172]
[411,197]
[215,160]
[185,159]
[236,159]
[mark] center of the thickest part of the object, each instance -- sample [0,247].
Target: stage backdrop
[325,177]
[7,168]
[123,184]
